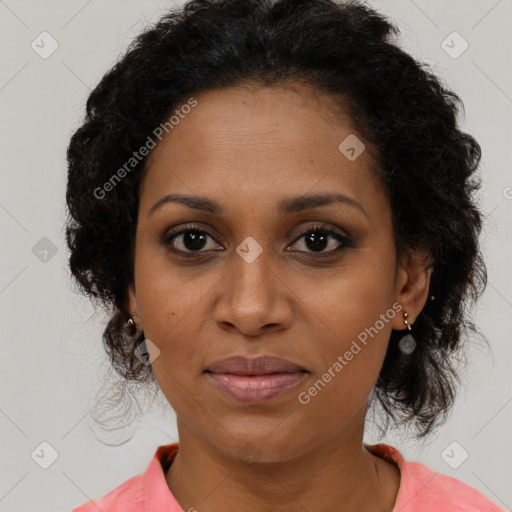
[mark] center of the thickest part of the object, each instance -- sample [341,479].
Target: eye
[189,241]
[319,237]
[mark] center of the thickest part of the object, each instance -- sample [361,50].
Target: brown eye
[319,241]
[318,238]
[189,240]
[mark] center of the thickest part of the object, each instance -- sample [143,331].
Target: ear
[413,282]
[132,306]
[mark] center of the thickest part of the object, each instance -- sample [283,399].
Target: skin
[248,148]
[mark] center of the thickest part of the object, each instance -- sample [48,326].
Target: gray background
[52,362]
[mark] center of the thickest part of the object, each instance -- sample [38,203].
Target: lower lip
[252,389]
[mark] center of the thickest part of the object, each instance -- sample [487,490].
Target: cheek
[171,306]
[351,317]
[170,298]
[178,366]
[340,389]
[344,304]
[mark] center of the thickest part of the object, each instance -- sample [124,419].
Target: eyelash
[345,241]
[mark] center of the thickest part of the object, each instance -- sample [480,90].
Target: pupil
[316,240]
[193,240]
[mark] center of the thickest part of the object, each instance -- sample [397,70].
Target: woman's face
[248,283]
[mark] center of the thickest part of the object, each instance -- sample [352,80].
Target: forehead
[261,140]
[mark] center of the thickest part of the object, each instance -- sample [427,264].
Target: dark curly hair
[405,114]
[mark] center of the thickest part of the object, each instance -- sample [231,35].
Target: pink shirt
[421,489]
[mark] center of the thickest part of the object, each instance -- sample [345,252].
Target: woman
[276,202]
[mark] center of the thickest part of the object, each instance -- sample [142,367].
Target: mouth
[256,380]
[262,365]
[251,389]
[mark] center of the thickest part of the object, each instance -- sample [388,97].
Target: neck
[337,475]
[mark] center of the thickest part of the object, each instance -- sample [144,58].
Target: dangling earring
[407,343]
[129,327]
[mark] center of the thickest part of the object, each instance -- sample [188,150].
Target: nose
[253,298]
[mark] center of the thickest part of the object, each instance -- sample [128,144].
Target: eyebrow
[285,206]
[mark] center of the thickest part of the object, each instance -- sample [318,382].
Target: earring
[407,343]
[129,327]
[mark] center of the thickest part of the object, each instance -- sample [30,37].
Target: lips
[256,380]
[263,365]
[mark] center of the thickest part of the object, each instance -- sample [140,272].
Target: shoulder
[425,487]
[422,489]
[128,497]
[147,491]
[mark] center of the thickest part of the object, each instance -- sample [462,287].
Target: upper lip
[263,365]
